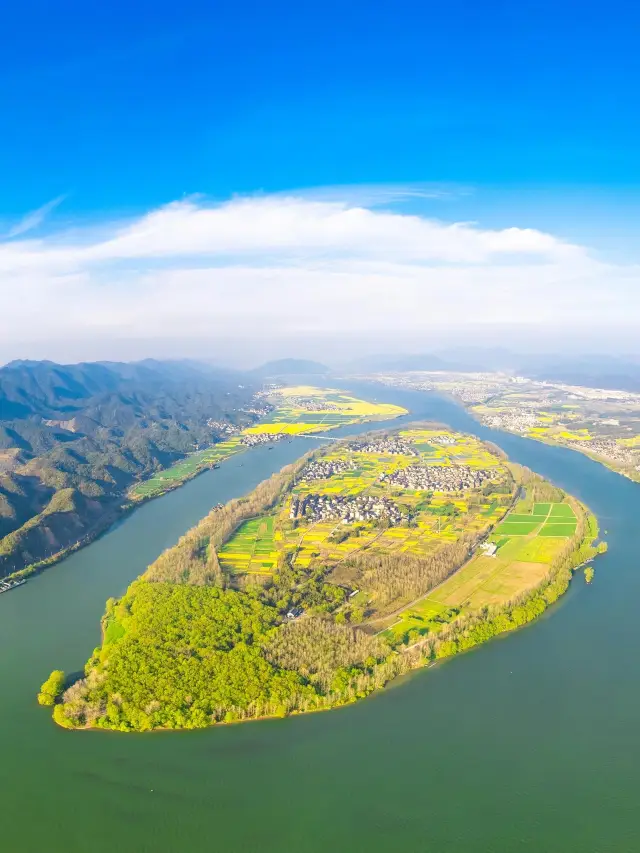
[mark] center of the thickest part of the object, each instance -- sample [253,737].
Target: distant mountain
[396,363]
[596,371]
[74,437]
[291,367]
[591,371]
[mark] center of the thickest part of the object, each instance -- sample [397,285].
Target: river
[528,743]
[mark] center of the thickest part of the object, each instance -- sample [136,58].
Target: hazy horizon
[337,352]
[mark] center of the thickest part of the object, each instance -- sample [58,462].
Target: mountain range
[73,438]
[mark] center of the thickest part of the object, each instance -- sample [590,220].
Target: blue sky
[508,115]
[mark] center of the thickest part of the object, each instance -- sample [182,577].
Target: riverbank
[610,464]
[103,526]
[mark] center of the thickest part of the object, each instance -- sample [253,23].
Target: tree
[357,615]
[589,573]
[52,688]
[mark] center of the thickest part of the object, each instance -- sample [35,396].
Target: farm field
[186,468]
[527,544]
[252,549]
[305,409]
[430,519]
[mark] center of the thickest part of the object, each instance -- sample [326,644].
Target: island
[367,558]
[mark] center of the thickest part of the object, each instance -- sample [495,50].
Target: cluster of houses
[252,439]
[512,420]
[438,478]
[471,388]
[322,469]
[222,427]
[444,440]
[258,410]
[312,405]
[610,449]
[391,446]
[346,508]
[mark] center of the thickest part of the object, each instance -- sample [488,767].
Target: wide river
[531,742]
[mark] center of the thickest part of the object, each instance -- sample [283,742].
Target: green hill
[74,437]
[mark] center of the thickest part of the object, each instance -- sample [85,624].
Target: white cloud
[276,264]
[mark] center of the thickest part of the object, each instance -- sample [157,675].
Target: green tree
[357,615]
[52,688]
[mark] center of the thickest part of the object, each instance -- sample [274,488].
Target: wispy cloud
[266,266]
[376,195]
[34,219]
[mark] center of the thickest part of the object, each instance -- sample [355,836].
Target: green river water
[531,742]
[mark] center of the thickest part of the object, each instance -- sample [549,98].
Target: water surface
[528,743]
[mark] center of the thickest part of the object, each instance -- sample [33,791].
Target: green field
[551,529]
[518,528]
[252,548]
[527,545]
[553,519]
[330,542]
[186,468]
[562,511]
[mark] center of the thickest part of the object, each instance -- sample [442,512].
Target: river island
[367,558]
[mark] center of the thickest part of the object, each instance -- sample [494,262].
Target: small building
[489,548]
[295,612]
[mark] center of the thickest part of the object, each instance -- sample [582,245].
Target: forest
[73,438]
[180,656]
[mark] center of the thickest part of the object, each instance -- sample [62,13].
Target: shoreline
[551,442]
[427,663]
[99,529]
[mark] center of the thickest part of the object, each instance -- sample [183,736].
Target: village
[346,508]
[392,446]
[609,449]
[306,404]
[438,478]
[511,420]
[470,388]
[322,469]
[253,439]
